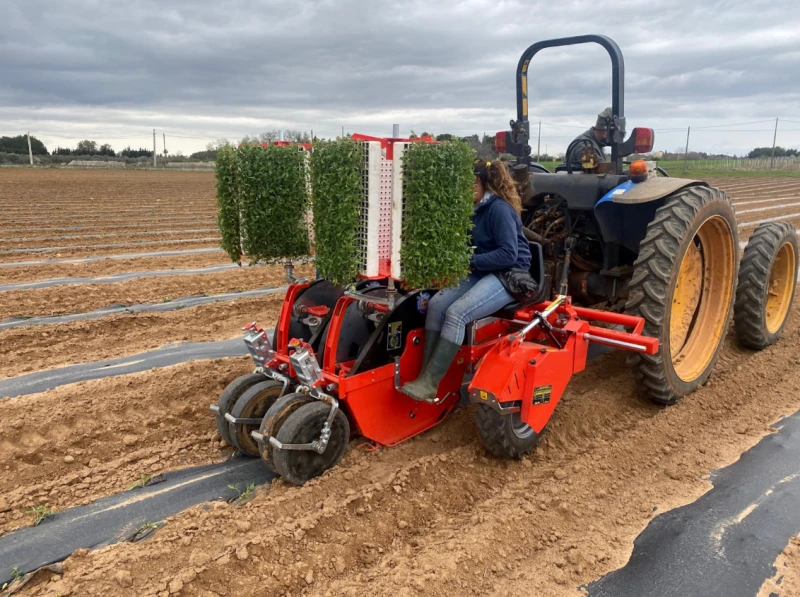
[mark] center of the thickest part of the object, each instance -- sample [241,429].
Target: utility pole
[774,139]
[539,143]
[312,135]
[396,131]
[30,151]
[154,149]
[165,144]
[342,131]
[686,153]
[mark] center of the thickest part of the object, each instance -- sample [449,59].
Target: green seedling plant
[41,512]
[437,209]
[243,496]
[142,482]
[273,199]
[337,188]
[16,574]
[228,203]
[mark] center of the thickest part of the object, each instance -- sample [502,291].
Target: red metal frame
[529,373]
[387,143]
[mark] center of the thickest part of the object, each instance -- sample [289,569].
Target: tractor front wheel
[683,285]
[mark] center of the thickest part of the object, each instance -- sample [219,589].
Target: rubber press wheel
[504,435]
[274,419]
[229,397]
[767,284]
[683,285]
[253,404]
[302,427]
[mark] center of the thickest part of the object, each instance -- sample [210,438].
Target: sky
[201,70]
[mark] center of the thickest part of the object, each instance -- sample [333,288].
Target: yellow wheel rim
[779,290]
[701,298]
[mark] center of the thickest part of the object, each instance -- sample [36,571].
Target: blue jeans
[476,296]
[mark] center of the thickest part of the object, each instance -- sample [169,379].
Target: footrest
[215,408]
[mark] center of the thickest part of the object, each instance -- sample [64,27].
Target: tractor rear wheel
[767,283]
[304,426]
[253,404]
[683,285]
[229,397]
[507,435]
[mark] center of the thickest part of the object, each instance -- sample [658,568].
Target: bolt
[543,350]
[533,361]
[416,340]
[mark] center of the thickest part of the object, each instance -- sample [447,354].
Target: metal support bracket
[241,420]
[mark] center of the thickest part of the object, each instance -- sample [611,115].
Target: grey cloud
[321,64]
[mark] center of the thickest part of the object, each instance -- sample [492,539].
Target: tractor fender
[624,213]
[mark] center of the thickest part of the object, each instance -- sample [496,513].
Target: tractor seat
[537,272]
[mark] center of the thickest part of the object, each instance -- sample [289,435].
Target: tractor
[622,259]
[662,248]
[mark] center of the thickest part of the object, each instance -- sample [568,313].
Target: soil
[73,444]
[105,267]
[435,516]
[58,300]
[114,238]
[27,349]
[110,248]
[786,581]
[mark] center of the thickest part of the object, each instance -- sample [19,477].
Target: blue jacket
[497,237]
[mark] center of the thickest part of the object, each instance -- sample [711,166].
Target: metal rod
[540,317]
[619,343]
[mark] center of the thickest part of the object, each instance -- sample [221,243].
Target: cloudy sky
[200,70]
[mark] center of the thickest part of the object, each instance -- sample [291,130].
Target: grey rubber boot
[425,386]
[431,338]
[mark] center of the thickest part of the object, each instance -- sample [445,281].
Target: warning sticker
[541,395]
[394,339]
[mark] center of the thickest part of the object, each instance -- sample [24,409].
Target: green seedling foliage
[437,205]
[274,199]
[337,186]
[41,513]
[228,203]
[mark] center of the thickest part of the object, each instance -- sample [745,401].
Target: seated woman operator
[499,245]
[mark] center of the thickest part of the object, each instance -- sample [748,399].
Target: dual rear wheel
[684,285]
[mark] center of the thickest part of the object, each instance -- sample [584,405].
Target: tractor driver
[595,139]
[499,246]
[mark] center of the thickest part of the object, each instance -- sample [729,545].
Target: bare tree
[215,145]
[296,136]
[269,136]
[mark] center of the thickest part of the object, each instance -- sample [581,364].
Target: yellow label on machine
[541,395]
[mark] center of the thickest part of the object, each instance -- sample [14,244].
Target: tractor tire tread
[751,295]
[650,282]
[494,431]
[228,398]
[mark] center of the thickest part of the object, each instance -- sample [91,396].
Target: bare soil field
[434,516]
